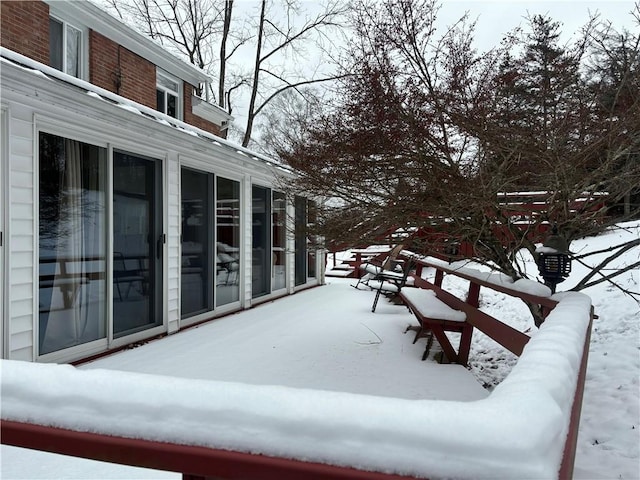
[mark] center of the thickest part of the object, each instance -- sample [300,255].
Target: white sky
[495,18]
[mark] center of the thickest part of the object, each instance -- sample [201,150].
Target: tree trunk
[228,7]
[256,74]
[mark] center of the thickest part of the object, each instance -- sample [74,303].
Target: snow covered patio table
[310,377]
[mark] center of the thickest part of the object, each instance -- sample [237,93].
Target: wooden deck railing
[201,463]
[195,463]
[510,338]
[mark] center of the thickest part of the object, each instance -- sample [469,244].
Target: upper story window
[66,46]
[168,94]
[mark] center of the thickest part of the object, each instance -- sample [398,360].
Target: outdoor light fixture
[553,259]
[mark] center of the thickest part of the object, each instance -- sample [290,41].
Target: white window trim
[84,44]
[177,94]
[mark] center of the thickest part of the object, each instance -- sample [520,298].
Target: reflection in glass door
[197,242]
[278,239]
[300,204]
[311,239]
[137,243]
[261,251]
[227,241]
[72,245]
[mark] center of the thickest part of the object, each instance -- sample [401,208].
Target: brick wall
[25,29]
[137,76]
[196,121]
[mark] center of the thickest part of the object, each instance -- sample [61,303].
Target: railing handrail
[439,265]
[198,463]
[192,461]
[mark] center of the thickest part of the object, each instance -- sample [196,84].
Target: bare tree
[190,28]
[430,133]
[283,43]
[288,116]
[290,48]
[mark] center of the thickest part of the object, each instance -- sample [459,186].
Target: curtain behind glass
[72,243]
[74,37]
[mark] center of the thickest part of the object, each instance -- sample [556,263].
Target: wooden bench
[436,318]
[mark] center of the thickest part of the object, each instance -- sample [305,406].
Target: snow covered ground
[367,353]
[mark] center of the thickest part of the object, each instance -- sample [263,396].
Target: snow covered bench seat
[435,318]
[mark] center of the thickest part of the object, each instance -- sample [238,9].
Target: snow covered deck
[325,338]
[318,377]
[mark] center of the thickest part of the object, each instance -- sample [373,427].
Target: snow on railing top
[517,432]
[523,285]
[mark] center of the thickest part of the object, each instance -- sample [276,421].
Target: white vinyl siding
[22,271]
[173,242]
[246,242]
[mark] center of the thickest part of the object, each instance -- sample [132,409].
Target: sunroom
[120,223]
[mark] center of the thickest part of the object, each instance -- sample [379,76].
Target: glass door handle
[161,240]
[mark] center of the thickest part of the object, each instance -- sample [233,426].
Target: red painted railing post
[439,277]
[473,297]
[418,270]
[358,262]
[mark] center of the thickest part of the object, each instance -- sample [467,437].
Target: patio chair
[374,267]
[389,282]
[123,274]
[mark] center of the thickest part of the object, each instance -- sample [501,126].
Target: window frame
[178,94]
[83,48]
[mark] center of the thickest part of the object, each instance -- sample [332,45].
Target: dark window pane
[160,101]
[261,251]
[196,278]
[137,244]
[311,247]
[301,240]
[171,105]
[55,44]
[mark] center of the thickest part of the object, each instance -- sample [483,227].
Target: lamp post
[553,259]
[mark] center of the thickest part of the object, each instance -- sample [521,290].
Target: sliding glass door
[305,213]
[261,250]
[227,241]
[278,240]
[197,279]
[300,206]
[72,243]
[137,243]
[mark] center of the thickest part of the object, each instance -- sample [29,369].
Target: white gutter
[178,124]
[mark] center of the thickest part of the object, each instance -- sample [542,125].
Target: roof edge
[101,21]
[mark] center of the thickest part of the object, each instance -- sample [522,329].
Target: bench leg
[444,342]
[375,302]
[418,334]
[429,343]
[465,344]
